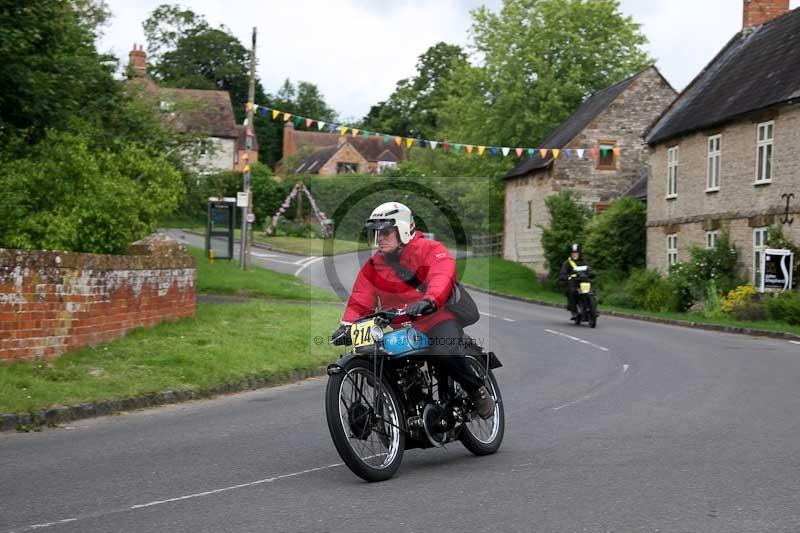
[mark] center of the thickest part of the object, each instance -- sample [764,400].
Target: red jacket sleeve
[441,273]
[362,298]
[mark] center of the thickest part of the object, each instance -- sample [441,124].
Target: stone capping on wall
[730,215]
[53,301]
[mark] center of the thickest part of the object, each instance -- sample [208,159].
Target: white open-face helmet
[392,215]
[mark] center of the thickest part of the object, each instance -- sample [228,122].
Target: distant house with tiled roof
[329,154]
[724,154]
[611,124]
[205,114]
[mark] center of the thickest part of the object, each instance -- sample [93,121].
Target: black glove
[341,337]
[422,307]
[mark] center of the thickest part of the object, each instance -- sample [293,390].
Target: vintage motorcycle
[386,396]
[587,302]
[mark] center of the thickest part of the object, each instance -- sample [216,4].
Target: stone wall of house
[740,205]
[51,302]
[347,154]
[623,124]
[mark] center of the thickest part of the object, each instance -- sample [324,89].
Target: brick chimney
[137,62]
[289,146]
[757,12]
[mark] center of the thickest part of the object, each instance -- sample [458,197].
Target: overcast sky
[356,50]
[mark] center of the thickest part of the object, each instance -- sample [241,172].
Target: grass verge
[225,277]
[512,279]
[222,344]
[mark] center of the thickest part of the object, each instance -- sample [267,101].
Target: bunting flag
[409,142]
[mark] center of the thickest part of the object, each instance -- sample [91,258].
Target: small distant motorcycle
[587,302]
[386,396]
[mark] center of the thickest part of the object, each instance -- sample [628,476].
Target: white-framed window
[759,245]
[711,239]
[672,172]
[672,249]
[713,163]
[386,165]
[764,139]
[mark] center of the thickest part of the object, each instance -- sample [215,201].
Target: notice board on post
[776,266]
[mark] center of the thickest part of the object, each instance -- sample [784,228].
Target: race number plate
[359,333]
[585,288]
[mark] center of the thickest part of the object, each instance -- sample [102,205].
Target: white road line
[587,397]
[181,498]
[795,342]
[258,254]
[304,260]
[582,341]
[488,314]
[507,319]
[307,264]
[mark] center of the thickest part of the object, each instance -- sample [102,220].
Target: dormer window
[606,158]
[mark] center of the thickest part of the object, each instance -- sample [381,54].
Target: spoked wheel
[483,437]
[366,424]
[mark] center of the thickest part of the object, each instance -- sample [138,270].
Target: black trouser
[572,298]
[447,351]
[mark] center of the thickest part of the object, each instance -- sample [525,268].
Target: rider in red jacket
[405,254]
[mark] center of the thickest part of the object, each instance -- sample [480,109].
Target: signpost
[776,266]
[244,248]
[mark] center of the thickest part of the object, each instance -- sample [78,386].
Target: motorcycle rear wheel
[370,441]
[479,436]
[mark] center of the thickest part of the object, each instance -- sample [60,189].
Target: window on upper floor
[672,172]
[607,158]
[713,162]
[346,168]
[764,139]
[672,249]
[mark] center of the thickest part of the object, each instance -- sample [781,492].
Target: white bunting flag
[580,152]
[506,150]
[320,124]
[433,144]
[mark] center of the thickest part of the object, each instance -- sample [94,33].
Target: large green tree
[413,108]
[537,60]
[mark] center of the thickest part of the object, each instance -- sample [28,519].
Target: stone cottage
[725,154]
[601,155]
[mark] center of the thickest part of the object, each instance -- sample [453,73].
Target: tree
[568,220]
[538,60]
[168,24]
[616,240]
[412,110]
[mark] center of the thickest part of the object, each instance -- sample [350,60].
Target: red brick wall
[51,302]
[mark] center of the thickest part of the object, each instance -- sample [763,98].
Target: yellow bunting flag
[286,117]
[275,114]
[556,151]
[543,152]
[355,132]
[246,168]
[245,157]
[469,148]
[409,142]
[249,106]
[398,141]
[616,152]
[481,149]
[343,130]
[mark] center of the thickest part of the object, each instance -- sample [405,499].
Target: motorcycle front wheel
[365,421]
